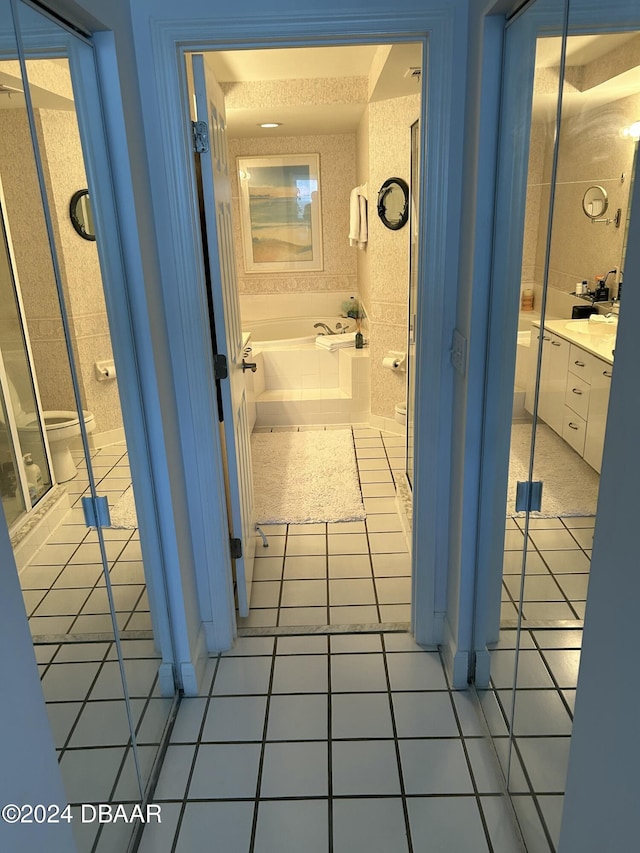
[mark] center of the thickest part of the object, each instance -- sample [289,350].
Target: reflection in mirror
[595,202]
[393,203]
[81,217]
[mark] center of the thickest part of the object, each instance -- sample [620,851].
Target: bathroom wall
[591,152]
[33,260]
[389,124]
[64,174]
[262,294]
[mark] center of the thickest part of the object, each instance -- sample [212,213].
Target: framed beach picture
[280,212]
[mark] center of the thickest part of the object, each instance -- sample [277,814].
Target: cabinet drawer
[574,430]
[580,363]
[577,395]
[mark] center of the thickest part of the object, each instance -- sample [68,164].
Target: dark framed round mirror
[81,216]
[393,203]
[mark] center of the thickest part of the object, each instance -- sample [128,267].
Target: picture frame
[280,213]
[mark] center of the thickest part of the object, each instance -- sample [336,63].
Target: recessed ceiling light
[270,124]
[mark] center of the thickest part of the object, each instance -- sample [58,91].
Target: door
[215,192]
[555,240]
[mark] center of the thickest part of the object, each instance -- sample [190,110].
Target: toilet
[61,428]
[401,413]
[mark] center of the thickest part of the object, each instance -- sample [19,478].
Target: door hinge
[220,369]
[96,511]
[236,548]
[529,496]
[200,134]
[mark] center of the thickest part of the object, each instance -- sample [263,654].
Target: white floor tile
[441,825]
[304,593]
[351,592]
[235,718]
[365,767]
[295,770]
[361,715]
[435,767]
[229,823]
[298,717]
[305,568]
[349,566]
[300,674]
[306,822]
[354,614]
[225,771]
[374,825]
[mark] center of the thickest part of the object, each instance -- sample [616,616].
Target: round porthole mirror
[393,203]
[80,213]
[595,202]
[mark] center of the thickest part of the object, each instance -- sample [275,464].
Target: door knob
[249,365]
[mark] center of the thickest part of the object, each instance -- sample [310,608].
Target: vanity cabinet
[574,394]
[553,378]
[598,407]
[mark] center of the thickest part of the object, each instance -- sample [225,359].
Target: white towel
[334,342]
[358,232]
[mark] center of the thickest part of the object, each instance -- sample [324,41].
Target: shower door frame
[103,171]
[589,16]
[13,429]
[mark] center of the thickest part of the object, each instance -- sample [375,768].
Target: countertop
[597,338]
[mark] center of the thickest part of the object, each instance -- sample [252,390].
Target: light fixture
[631,132]
[270,124]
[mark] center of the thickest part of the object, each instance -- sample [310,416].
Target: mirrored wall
[66,482]
[569,147]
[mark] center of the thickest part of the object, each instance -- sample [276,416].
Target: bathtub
[291,331]
[297,383]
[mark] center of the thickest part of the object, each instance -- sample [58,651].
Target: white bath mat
[570,486]
[302,477]
[123,513]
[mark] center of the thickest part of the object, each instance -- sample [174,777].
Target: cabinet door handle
[556,344]
[577,391]
[579,363]
[573,426]
[545,338]
[607,373]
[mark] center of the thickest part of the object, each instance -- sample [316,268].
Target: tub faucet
[324,326]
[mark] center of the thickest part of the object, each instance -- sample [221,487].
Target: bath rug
[123,512]
[305,477]
[570,486]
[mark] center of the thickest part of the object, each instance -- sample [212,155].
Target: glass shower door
[24,460]
[109,693]
[580,159]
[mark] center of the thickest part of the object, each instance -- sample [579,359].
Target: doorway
[350,111]
[567,222]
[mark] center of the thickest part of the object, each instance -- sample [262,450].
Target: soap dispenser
[602,292]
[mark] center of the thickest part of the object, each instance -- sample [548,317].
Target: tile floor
[63,585]
[317,707]
[340,573]
[542,724]
[323,743]
[85,703]
[557,568]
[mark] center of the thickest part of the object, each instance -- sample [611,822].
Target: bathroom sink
[578,326]
[590,327]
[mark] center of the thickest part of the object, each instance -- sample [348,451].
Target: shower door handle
[249,365]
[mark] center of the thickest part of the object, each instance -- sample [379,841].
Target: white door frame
[181,264]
